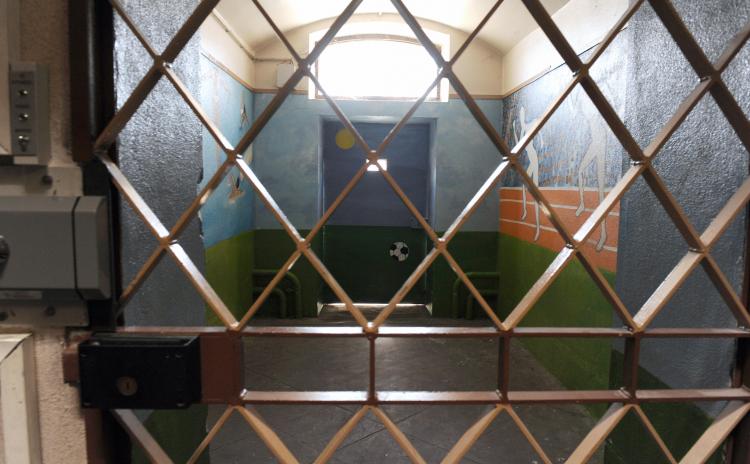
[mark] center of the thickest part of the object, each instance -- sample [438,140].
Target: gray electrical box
[54,249]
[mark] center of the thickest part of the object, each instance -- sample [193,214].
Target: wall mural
[574,159]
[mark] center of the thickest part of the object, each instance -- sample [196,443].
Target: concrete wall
[703,164]
[44,32]
[160,152]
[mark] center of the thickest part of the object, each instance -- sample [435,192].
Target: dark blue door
[372,243]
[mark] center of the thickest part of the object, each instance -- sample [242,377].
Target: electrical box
[136,372]
[54,249]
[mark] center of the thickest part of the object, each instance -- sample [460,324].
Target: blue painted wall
[229,210]
[287,156]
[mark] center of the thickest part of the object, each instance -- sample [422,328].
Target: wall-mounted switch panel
[29,113]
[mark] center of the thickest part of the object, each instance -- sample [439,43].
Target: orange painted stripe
[566,197]
[513,210]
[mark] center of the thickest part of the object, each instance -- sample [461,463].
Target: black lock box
[136,372]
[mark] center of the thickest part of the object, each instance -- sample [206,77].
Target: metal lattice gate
[629,398]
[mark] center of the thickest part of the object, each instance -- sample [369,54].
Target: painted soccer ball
[399,251]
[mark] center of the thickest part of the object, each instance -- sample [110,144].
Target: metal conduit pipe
[457,287]
[296,285]
[282,299]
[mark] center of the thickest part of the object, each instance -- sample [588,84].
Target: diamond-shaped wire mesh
[627,400]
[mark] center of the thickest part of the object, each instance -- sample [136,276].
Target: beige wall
[480,68]
[534,54]
[44,32]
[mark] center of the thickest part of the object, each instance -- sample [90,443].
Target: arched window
[377,67]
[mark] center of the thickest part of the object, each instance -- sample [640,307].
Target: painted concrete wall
[229,104]
[44,32]
[534,53]
[286,156]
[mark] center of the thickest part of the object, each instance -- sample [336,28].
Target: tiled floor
[407,364]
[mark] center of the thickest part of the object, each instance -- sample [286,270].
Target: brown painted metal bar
[140,207]
[654,434]
[442,332]
[398,435]
[140,278]
[456,56]
[631,364]
[341,435]
[331,281]
[733,48]
[210,435]
[672,208]
[268,200]
[598,434]
[553,33]
[140,435]
[413,109]
[716,433]
[540,286]
[222,367]
[503,368]
[736,204]
[726,291]
[667,289]
[255,306]
[133,28]
[732,111]
[467,440]
[406,287]
[200,283]
[476,200]
[607,291]
[278,32]
[473,289]
[268,436]
[494,397]
[413,24]
[612,34]
[528,435]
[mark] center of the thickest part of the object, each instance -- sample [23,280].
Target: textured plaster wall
[702,164]
[160,152]
[287,159]
[44,32]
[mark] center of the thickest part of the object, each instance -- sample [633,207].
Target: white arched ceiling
[510,23]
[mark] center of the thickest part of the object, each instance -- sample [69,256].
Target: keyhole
[127,386]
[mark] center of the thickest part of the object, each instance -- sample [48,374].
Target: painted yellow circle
[344,139]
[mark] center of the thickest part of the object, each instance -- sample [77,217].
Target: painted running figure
[594,154]
[533,169]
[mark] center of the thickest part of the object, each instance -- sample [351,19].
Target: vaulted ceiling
[509,24]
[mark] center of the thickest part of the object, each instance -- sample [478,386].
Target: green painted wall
[679,424]
[474,252]
[573,300]
[179,432]
[358,257]
[229,266]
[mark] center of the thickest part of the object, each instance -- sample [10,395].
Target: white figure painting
[533,169]
[595,153]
